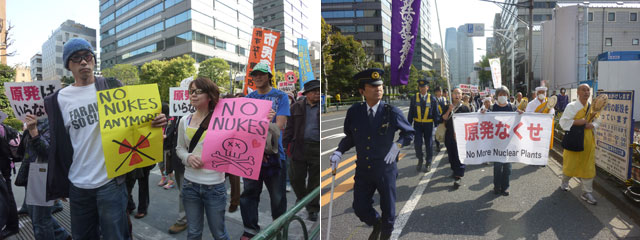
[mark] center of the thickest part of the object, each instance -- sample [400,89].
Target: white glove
[335,158]
[393,153]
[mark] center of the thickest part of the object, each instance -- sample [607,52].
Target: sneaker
[163,181]
[169,185]
[588,197]
[457,183]
[427,168]
[505,193]
[177,228]
[564,186]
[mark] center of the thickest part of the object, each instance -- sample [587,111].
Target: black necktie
[371,116]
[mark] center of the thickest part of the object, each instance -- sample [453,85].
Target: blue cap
[74,45]
[422,83]
[371,76]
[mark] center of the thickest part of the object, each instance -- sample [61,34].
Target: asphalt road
[428,207]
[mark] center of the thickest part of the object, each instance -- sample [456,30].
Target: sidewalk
[606,185]
[163,213]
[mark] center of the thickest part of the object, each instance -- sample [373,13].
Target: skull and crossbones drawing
[233,150]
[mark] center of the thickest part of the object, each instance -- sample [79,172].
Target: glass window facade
[140,34]
[107,19]
[140,17]
[177,19]
[106,5]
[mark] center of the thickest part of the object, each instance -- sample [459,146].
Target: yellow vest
[419,118]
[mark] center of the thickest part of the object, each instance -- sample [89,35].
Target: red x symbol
[143,142]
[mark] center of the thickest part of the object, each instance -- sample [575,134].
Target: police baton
[333,180]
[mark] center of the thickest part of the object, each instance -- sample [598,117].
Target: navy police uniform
[373,140]
[424,113]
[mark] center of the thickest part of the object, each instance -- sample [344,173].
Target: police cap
[371,76]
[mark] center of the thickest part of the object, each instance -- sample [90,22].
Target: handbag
[573,139]
[37,185]
[440,132]
[23,174]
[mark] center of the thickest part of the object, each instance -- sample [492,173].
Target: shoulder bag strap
[196,137]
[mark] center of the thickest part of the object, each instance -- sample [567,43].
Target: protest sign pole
[333,180]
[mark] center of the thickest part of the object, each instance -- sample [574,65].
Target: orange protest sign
[263,49]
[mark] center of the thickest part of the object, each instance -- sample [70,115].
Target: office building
[136,31]
[368,22]
[23,73]
[52,49]
[290,17]
[423,50]
[315,54]
[36,67]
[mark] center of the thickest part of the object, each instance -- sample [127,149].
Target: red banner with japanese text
[503,137]
[263,49]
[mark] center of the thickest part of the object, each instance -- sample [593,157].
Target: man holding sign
[76,158]
[273,169]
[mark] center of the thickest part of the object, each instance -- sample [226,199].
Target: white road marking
[328,151]
[333,119]
[326,130]
[411,204]
[339,135]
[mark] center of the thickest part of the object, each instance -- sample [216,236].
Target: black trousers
[12,213]
[305,174]
[143,191]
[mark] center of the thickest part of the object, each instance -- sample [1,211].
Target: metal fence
[279,228]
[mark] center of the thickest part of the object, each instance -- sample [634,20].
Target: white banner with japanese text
[179,103]
[614,134]
[28,97]
[503,137]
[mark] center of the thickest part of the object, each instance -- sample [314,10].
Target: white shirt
[531,107]
[79,108]
[201,175]
[566,121]
[375,108]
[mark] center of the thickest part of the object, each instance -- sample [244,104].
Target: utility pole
[529,62]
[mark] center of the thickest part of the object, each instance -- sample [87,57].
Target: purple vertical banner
[405,15]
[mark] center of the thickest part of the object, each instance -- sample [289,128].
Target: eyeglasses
[196,91]
[77,58]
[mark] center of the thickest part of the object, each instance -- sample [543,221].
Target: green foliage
[167,73]
[7,74]
[14,123]
[485,76]
[216,69]
[67,80]
[348,57]
[126,73]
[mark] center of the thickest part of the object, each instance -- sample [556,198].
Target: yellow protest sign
[128,140]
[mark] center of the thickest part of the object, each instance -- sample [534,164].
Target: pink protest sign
[236,137]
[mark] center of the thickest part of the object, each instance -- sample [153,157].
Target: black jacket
[60,147]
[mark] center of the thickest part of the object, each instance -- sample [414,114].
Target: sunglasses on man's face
[78,58]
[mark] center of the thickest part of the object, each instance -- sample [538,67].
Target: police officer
[424,110]
[370,126]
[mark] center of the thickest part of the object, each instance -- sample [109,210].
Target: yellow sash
[541,108]
[424,118]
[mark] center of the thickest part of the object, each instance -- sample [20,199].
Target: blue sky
[35,20]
